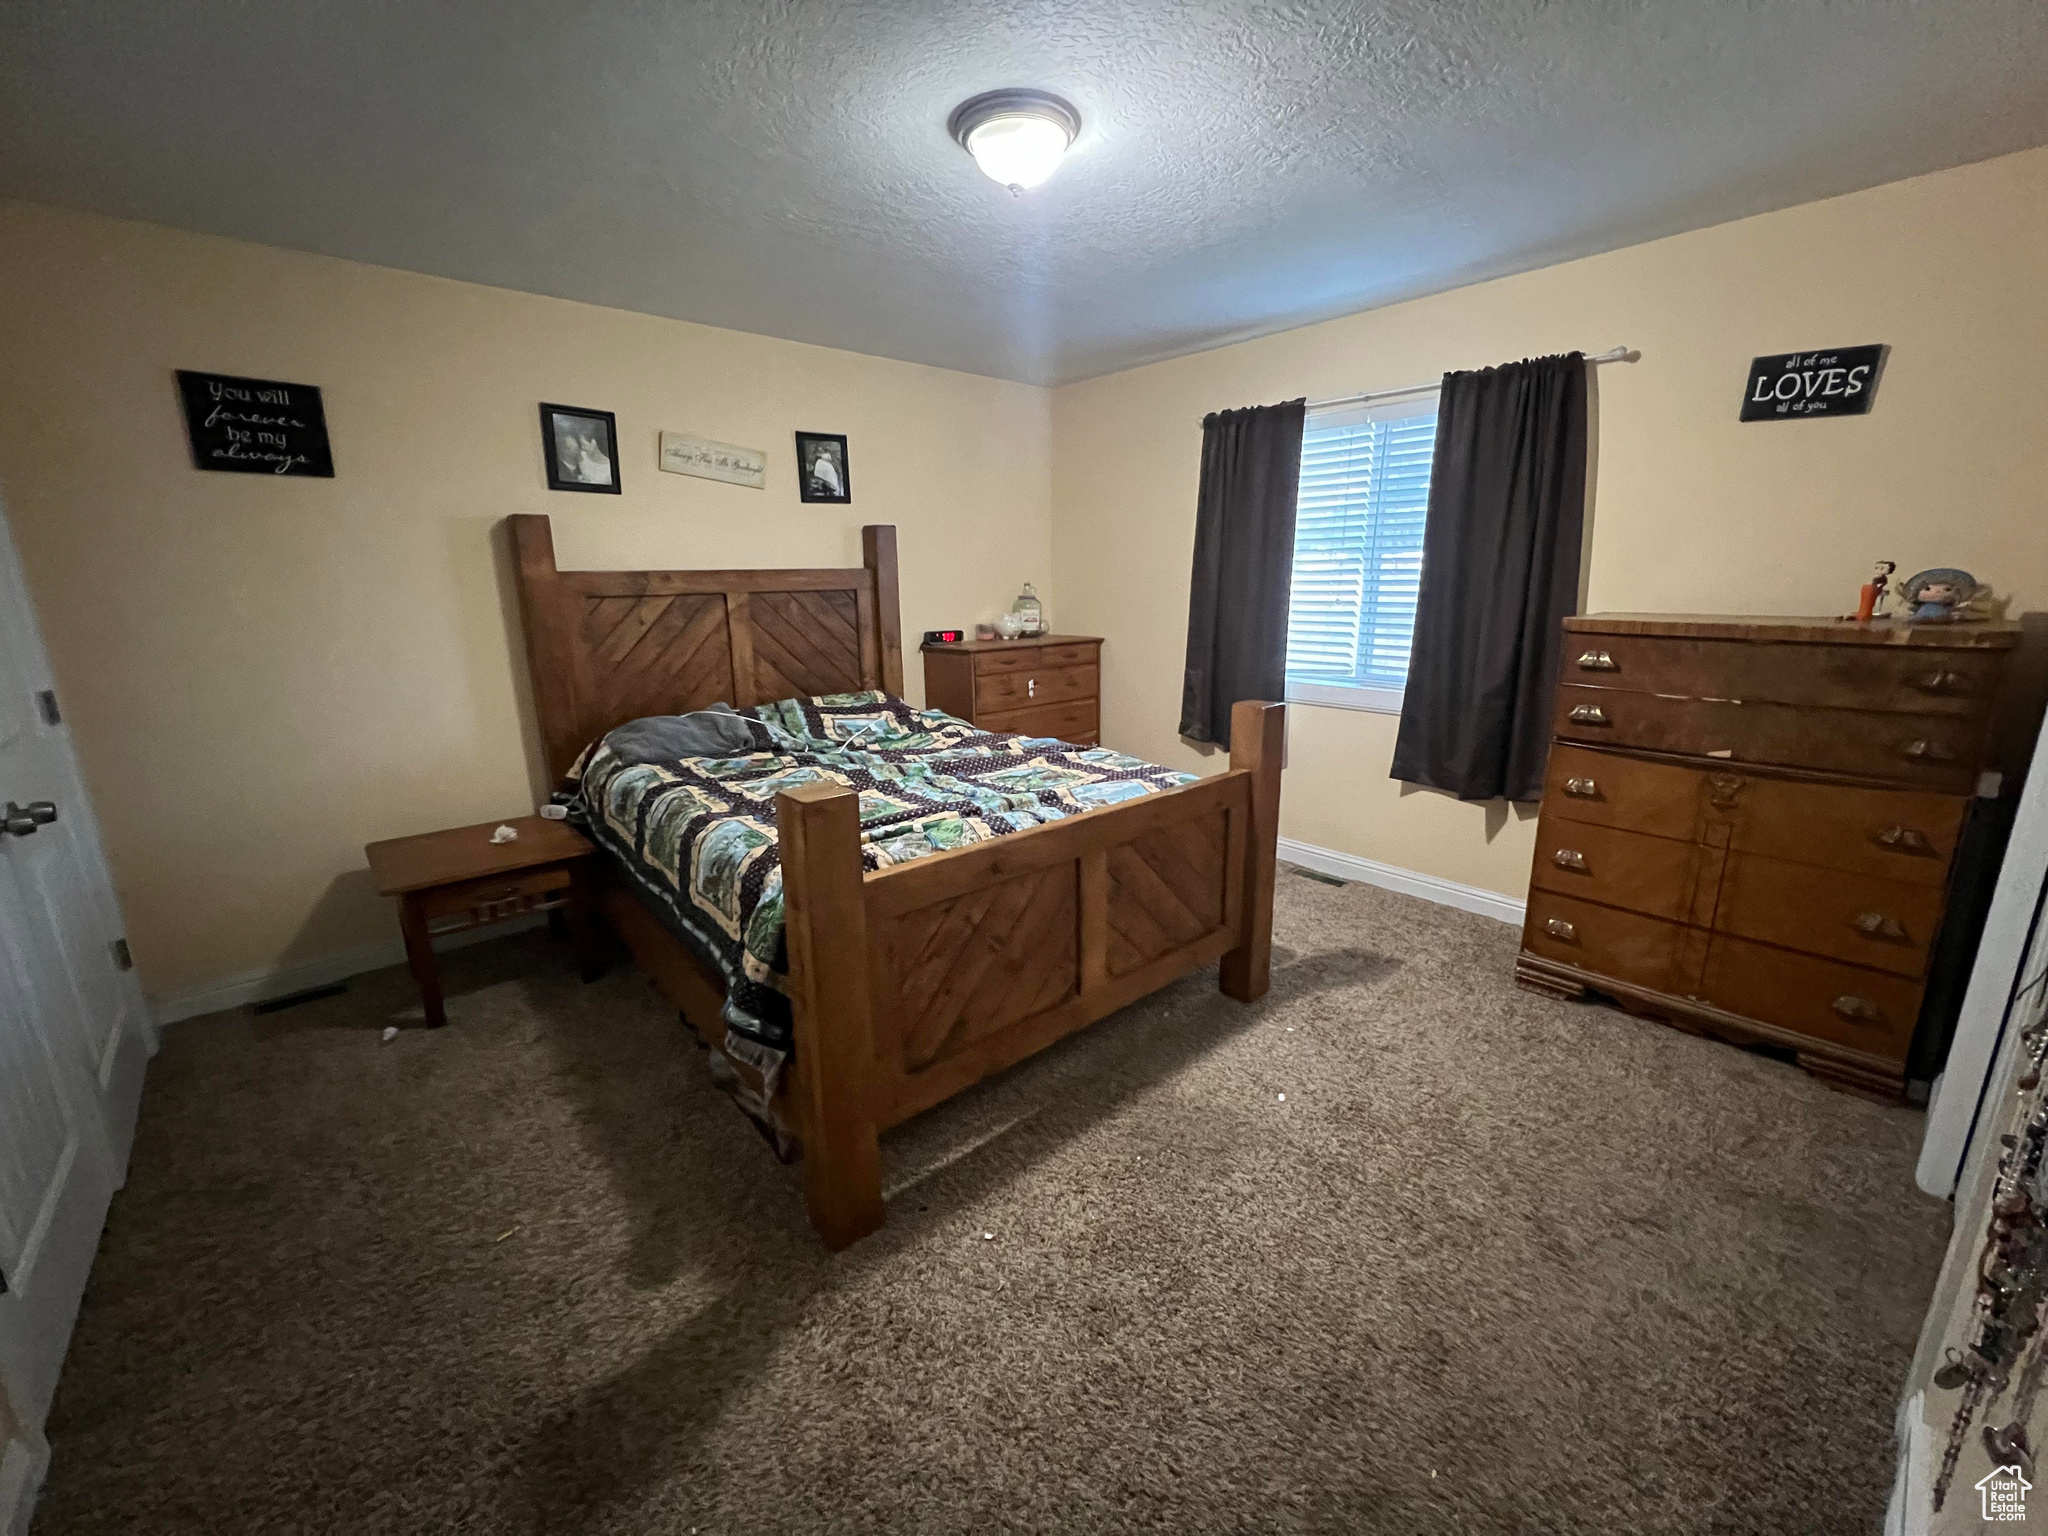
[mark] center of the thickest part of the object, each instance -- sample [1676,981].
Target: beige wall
[1692,511]
[263,674]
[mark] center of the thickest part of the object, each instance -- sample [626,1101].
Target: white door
[73,1034]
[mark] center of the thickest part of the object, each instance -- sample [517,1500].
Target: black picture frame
[831,447]
[556,436]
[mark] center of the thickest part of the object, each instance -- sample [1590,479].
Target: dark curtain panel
[1500,571]
[1244,564]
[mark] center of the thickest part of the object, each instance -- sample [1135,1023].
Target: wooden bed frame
[913,983]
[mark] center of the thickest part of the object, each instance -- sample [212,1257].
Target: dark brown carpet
[1496,1264]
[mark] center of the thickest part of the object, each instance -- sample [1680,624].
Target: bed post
[542,605]
[878,554]
[1258,736]
[825,923]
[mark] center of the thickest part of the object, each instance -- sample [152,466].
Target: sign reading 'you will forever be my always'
[255,426]
[1835,381]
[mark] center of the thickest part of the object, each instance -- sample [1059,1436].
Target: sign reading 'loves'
[1835,381]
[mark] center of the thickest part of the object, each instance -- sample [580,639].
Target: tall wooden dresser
[1748,825]
[1048,685]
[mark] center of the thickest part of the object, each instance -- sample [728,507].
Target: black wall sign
[1835,381]
[255,426]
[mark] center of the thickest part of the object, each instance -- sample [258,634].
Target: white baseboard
[261,986]
[1409,882]
[23,1461]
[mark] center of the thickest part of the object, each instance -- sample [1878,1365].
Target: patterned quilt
[698,834]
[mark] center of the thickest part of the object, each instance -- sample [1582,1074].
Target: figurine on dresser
[1941,596]
[1871,600]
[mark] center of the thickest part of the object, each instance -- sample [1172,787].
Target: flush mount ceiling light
[1015,136]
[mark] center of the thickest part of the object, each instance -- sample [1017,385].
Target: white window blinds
[1358,545]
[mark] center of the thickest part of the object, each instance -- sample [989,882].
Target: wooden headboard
[606,647]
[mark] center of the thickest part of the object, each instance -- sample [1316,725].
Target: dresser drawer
[1821,999]
[514,892]
[1885,924]
[1631,792]
[1931,751]
[1911,679]
[1898,834]
[1077,722]
[1023,690]
[1027,657]
[1651,875]
[1624,945]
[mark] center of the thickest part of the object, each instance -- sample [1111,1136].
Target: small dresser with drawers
[1748,825]
[1048,685]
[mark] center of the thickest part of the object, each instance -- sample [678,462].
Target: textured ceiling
[782,166]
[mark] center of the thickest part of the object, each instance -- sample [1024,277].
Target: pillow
[720,731]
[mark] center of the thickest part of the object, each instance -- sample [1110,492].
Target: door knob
[21,820]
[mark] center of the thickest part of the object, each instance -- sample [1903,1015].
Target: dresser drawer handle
[1861,1009]
[1907,839]
[1558,928]
[1931,751]
[1585,787]
[1943,682]
[1589,714]
[1597,661]
[1723,789]
[1031,688]
[1569,858]
[1877,925]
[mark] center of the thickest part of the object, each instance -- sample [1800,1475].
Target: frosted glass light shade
[1017,136]
[1018,152]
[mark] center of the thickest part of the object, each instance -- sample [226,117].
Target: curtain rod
[1611,355]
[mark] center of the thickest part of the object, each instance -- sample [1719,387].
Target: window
[1358,551]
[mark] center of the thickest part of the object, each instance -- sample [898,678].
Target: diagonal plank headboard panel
[606,647]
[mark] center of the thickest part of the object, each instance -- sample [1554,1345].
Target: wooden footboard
[912,984]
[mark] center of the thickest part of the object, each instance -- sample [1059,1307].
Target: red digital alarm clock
[944,636]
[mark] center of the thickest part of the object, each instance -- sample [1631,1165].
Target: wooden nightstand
[447,882]
[1049,685]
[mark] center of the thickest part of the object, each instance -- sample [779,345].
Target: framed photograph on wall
[821,467]
[582,449]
